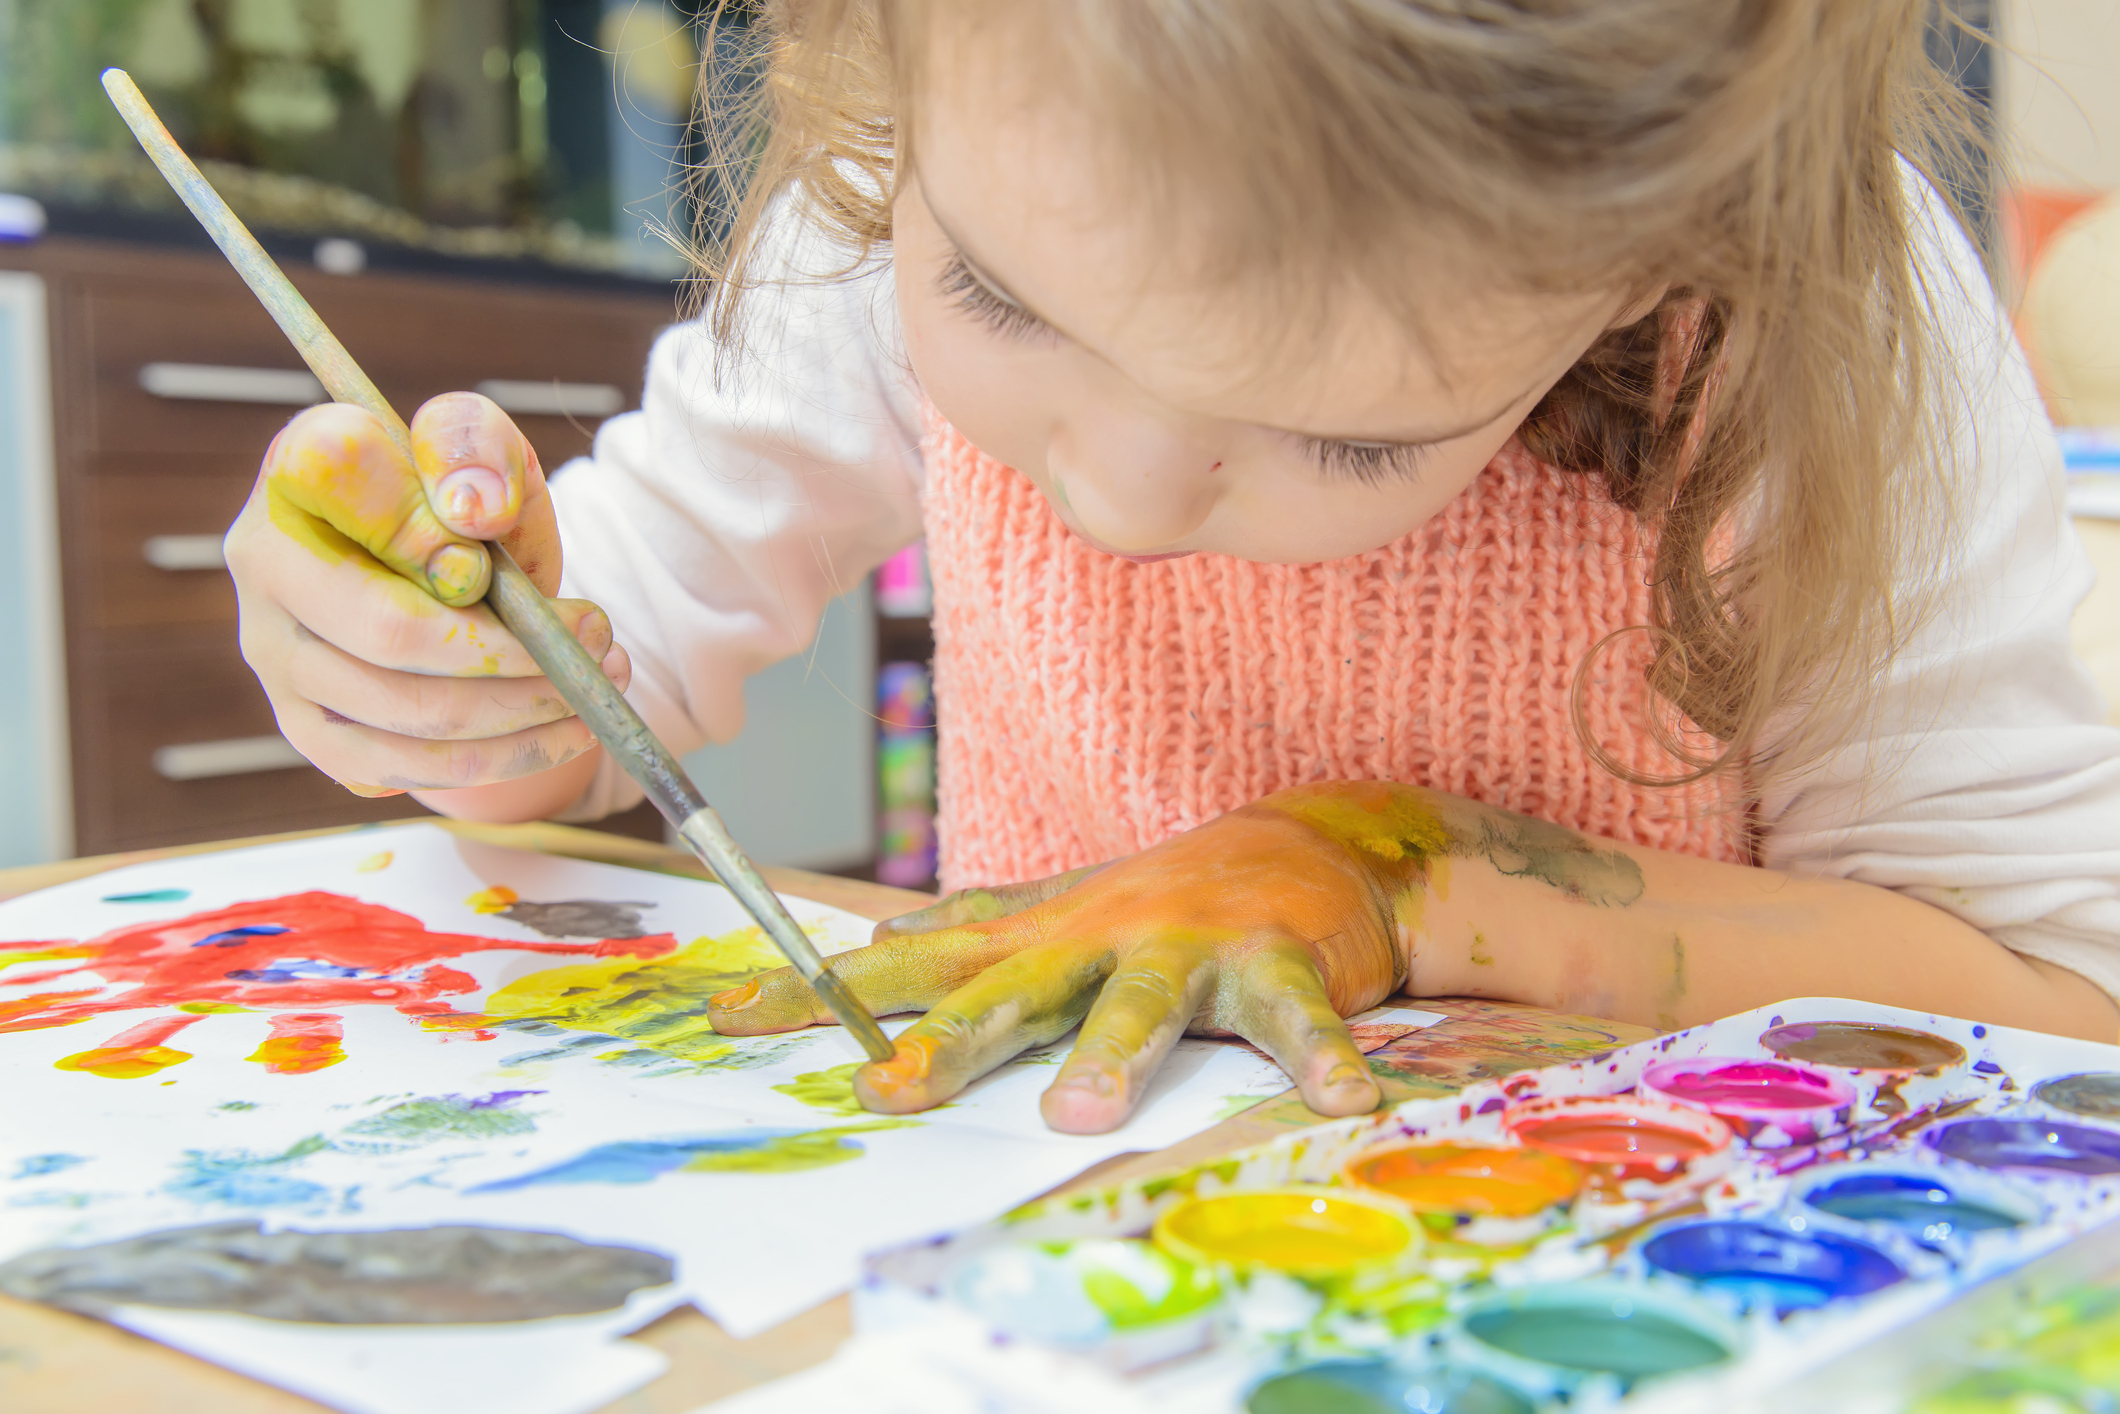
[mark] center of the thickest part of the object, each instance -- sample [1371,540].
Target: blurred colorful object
[902,588]
[905,758]
[2070,321]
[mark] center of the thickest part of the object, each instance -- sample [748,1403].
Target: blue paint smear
[298,969]
[638,1160]
[150,896]
[1987,1068]
[238,1178]
[37,1165]
[582,1043]
[236,937]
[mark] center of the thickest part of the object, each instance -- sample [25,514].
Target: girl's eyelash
[970,294]
[1371,463]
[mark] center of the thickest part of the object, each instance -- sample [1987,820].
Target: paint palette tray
[1809,1203]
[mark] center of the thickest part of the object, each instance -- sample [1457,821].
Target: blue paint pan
[1933,1209]
[1384,1387]
[1763,1264]
[2029,1146]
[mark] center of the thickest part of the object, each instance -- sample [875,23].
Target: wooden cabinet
[151,469]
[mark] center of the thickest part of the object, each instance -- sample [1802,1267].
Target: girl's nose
[1133,481]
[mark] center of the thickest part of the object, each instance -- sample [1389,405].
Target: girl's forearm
[1697,940]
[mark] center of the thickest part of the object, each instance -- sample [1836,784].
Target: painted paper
[322,1046]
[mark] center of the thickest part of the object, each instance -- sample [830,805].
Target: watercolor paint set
[1821,1204]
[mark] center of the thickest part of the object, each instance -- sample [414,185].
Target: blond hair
[1779,420]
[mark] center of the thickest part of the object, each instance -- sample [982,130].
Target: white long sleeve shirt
[714,525]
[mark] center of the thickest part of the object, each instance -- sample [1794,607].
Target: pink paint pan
[1772,1104]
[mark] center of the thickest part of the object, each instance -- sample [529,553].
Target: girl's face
[1067,341]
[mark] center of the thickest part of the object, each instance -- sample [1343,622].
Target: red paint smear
[395,957]
[301,1041]
[133,1053]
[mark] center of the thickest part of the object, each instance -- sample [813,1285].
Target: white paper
[220,1136]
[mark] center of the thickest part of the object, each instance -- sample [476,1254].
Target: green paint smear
[820,1148]
[831,1090]
[658,1004]
[1233,1105]
[237,1106]
[1127,1307]
[444,1117]
[150,896]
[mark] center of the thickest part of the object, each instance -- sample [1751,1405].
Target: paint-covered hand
[1270,923]
[358,577]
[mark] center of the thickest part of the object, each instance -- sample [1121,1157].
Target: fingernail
[1343,1075]
[456,570]
[736,998]
[470,494]
[594,633]
[1101,1083]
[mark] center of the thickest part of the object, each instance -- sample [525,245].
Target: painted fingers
[1144,1007]
[355,573]
[1280,1005]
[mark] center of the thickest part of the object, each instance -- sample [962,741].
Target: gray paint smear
[414,1276]
[580,918]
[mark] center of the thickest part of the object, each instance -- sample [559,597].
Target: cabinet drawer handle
[219,383]
[237,756]
[553,398]
[183,552]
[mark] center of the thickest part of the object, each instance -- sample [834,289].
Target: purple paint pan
[2031,1146]
[1771,1104]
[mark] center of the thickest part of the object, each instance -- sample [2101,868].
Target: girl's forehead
[1034,196]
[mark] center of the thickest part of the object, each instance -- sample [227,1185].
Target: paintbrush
[512,597]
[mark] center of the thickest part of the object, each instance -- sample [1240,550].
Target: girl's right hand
[358,580]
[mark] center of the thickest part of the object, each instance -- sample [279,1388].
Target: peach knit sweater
[1092,707]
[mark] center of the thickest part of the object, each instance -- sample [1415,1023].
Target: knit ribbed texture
[1092,707]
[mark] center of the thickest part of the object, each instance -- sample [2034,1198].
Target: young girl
[1515,498]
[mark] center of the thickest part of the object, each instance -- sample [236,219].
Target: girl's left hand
[1256,924]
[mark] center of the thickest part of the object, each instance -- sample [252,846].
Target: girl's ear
[1639,308]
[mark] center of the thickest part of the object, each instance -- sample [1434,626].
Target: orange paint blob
[493,900]
[133,1054]
[1466,1180]
[301,1041]
[1305,1232]
[910,1067]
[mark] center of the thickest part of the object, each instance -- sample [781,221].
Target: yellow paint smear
[659,1004]
[1391,822]
[1311,1233]
[123,1062]
[375,863]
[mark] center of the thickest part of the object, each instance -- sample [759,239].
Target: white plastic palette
[1860,1352]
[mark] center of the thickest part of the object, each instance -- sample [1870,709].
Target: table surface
[53,1361]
